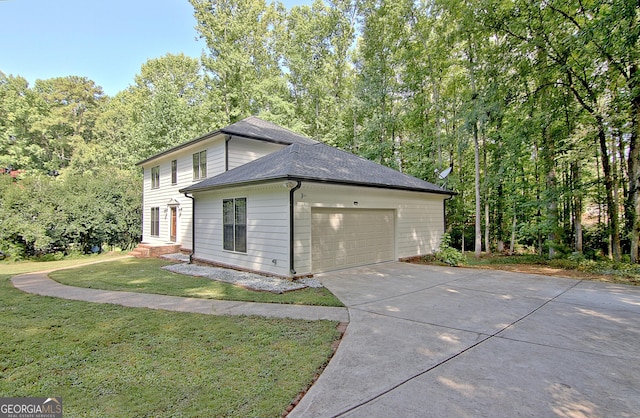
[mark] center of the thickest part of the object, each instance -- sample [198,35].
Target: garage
[342,238]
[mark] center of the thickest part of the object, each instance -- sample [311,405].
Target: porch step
[151,250]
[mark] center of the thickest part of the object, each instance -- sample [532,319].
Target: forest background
[534,105]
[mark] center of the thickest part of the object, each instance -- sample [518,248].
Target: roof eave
[208,136]
[256,137]
[179,147]
[192,189]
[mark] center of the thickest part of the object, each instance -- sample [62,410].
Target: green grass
[146,276]
[107,360]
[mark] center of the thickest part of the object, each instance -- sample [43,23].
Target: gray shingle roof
[251,127]
[316,162]
[256,128]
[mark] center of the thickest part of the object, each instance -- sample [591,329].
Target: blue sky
[104,40]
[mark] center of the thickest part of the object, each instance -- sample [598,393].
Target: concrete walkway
[39,283]
[428,341]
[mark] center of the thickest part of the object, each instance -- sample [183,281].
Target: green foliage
[243,53]
[547,93]
[448,254]
[42,215]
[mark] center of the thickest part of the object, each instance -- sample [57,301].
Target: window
[174,171]
[234,218]
[200,165]
[155,177]
[155,222]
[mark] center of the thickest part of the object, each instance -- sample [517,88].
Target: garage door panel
[351,237]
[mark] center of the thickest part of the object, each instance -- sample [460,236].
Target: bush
[449,255]
[43,216]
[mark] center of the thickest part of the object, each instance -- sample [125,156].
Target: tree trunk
[478,244]
[487,242]
[548,162]
[500,230]
[614,180]
[512,244]
[487,235]
[577,206]
[612,208]
[633,203]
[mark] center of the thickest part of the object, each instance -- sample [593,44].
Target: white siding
[169,193]
[267,229]
[419,223]
[242,150]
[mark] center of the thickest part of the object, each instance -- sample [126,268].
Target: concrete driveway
[428,341]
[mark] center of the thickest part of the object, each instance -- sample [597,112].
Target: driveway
[452,342]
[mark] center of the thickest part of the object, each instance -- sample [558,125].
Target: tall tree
[316,59]
[169,103]
[380,67]
[17,109]
[242,55]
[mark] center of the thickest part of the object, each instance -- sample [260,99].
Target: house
[258,197]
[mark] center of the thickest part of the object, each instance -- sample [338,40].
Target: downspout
[193,227]
[226,152]
[291,227]
[444,211]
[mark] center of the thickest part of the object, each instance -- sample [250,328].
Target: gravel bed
[248,280]
[176,257]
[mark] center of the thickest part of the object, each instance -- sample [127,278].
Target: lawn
[146,276]
[107,360]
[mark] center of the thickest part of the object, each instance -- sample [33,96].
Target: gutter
[291,227]
[193,227]
[285,177]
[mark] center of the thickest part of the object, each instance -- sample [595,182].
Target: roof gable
[316,162]
[251,128]
[256,128]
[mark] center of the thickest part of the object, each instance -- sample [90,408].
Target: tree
[170,103]
[243,59]
[68,111]
[318,40]
[380,67]
[17,108]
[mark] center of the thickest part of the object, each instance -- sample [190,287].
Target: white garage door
[343,238]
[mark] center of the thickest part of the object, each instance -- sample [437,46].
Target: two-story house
[258,197]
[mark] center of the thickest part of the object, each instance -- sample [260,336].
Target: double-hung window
[174,171]
[155,177]
[235,224]
[200,165]
[155,222]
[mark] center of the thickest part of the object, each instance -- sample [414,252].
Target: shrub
[449,255]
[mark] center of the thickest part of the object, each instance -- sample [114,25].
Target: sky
[106,41]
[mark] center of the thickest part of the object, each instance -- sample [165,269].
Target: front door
[173,227]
